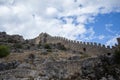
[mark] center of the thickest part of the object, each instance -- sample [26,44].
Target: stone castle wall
[118,39]
[85,47]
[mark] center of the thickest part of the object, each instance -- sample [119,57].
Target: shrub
[18,46]
[117,56]
[4,51]
[61,46]
[49,50]
[31,56]
[47,46]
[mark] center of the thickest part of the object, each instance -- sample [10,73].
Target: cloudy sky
[83,20]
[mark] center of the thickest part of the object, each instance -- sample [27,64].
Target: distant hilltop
[44,38]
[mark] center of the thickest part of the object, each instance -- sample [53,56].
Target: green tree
[4,51]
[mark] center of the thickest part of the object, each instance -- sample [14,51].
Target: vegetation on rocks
[4,51]
[18,46]
[60,46]
[50,46]
[47,46]
[117,56]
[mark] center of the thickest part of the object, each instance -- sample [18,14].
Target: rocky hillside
[16,42]
[30,61]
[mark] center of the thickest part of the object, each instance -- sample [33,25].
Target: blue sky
[82,20]
[106,25]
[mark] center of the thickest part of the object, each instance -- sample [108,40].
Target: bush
[49,50]
[4,51]
[47,46]
[60,46]
[18,46]
[117,56]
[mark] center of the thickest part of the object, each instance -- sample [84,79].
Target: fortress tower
[118,40]
[42,38]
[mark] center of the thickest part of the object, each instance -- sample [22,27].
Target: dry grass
[55,55]
[17,56]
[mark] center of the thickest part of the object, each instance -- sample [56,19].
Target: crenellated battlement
[85,47]
[62,39]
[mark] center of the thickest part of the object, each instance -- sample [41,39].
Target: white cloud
[51,11]
[113,40]
[108,28]
[4,10]
[88,35]
[29,17]
[101,37]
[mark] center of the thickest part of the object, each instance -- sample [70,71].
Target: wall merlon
[108,47]
[74,41]
[63,39]
[84,43]
[70,41]
[99,45]
[95,44]
[91,43]
[113,47]
[88,43]
[103,46]
[66,40]
[78,42]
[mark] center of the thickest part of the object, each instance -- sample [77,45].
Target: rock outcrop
[55,58]
[8,65]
